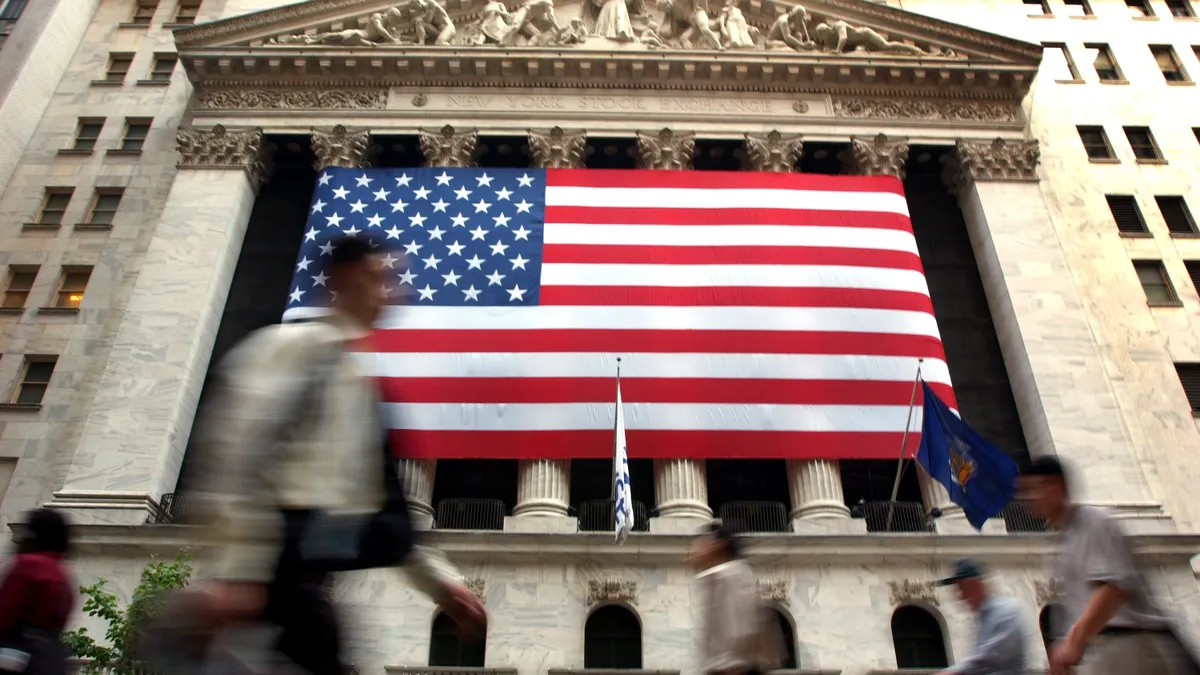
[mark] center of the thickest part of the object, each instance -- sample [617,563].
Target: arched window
[918,639]
[612,638]
[447,649]
[1046,624]
[789,641]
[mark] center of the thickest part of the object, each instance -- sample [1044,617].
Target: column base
[835,525]
[101,507]
[541,524]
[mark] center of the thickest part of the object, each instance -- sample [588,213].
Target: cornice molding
[220,148]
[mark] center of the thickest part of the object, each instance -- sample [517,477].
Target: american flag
[755,315]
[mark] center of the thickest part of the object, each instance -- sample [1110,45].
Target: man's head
[717,543]
[356,275]
[1044,486]
[967,579]
[46,532]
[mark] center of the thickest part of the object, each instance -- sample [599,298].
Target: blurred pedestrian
[36,598]
[1000,634]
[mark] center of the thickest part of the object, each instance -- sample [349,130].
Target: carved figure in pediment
[684,20]
[840,37]
[649,36]
[381,28]
[612,19]
[534,24]
[430,19]
[573,33]
[791,30]
[492,27]
[735,32]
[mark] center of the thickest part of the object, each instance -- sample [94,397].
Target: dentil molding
[611,590]
[220,148]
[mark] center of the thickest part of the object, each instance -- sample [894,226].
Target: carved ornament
[976,111]
[558,149]
[774,152]
[991,160]
[477,586]
[450,148]
[292,99]
[666,150]
[1047,591]
[909,591]
[412,22]
[221,148]
[774,590]
[879,156]
[611,590]
[342,148]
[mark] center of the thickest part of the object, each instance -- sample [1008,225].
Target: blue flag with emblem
[979,476]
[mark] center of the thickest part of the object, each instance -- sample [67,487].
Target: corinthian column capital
[774,152]
[879,156]
[220,148]
[558,149]
[449,148]
[997,160]
[666,150]
[342,147]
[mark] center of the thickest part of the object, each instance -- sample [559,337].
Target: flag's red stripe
[740,296]
[653,390]
[658,342]
[729,255]
[618,215]
[718,180]
[560,444]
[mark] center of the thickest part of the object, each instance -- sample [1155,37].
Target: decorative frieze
[291,99]
[611,590]
[990,160]
[879,156]
[450,148]
[220,148]
[666,150]
[774,590]
[1047,591]
[909,591]
[342,148]
[774,152]
[558,149]
[954,111]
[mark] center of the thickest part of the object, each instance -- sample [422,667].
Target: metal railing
[756,516]
[906,516]
[596,515]
[470,514]
[1018,518]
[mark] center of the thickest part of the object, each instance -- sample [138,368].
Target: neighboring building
[153,213]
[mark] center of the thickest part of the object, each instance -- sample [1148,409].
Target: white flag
[621,489]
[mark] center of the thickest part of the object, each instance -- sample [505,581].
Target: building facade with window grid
[1068,307]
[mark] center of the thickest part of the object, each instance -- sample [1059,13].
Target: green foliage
[117,654]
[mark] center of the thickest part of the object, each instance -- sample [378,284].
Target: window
[104,206]
[1095,143]
[118,67]
[1046,625]
[54,205]
[1105,64]
[20,282]
[34,381]
[789,641]
[186,11]
[87,133]
[1189,377]
[143,13]
[10,11]
[1139,8]
[71,286]
[1126,213]
[918,639]
[1175,212]
[1037,8]
[1193,270]
[1155,282]
[1059,62]
[1142,143]
[136,130]
[164,65]
[1078,7]
[1196,133]
[1168,63]
[612,638]
[447,649]
[1180,9]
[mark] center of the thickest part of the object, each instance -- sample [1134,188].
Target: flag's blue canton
[468,236]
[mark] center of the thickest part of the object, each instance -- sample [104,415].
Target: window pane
[1077,7]
[22,281]
[15,298]
[1056,64]
[39,372]
[31,394]
[1036,8]
[108,202]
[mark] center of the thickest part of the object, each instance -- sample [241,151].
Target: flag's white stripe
[706,366]
[733,319]
[731,198]
[727,276]
[730,235]
[649,416]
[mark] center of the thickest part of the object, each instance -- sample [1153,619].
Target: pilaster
[879,156]
[341,147]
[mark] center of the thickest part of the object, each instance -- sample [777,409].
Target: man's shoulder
[282,345]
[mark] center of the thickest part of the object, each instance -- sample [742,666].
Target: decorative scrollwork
[611,590]
[879,156]
[975,111]
[291,99]
[666,150]
[774,590]
[909,591]
[557,149]
[340,147]
[774,152]
[1047,591]
[477,586]
[450,148]
[221,148]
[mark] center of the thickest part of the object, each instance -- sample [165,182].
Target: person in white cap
[1000,637]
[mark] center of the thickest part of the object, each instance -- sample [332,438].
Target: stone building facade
[155,175]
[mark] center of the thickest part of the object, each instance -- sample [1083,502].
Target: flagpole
[912,401]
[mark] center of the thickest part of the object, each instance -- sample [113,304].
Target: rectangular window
[1139,8]
[1059,62]
[118,67]
[143,12]
[54,205]
[1168,63]
[1196,133]
[1175,212]
[1193,270]
[1095,142]
[1105,63]
[71,286]
[1036,8]
[20,282]
[1142,143]
[1180,9]
[186,11]
[87,133]
[1078,7]
[136,130]
[1155,282]
[1126,214]
[104,206]
[10,10]
[35,380]
[1189,377]
[164,65]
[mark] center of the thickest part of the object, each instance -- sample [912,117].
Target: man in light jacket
[1000,636]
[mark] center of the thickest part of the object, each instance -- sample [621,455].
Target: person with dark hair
[36,598]
[1106,621]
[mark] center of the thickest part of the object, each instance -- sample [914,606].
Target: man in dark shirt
[36,599]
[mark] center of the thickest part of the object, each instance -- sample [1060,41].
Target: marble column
[680,485]
[544,485]
[132,444]
[1063,391]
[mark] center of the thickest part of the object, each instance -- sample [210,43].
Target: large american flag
[756,315]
